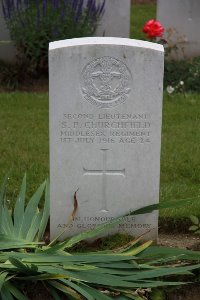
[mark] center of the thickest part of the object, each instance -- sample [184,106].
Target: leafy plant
[196,224]
[126,272]
[12,75]
[33,24]
[186,72]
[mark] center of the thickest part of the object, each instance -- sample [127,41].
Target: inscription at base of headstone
[105,133]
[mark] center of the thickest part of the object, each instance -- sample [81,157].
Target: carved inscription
[129,222]
[105,128]
[106,82]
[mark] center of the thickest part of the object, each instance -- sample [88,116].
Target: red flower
[153,29]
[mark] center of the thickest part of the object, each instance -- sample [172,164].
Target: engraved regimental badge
[106,82]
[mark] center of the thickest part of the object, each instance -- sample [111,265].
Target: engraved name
[105,128]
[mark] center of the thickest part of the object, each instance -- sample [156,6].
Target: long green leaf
[34,227]
[163,272]
[136,250]
[15,292]
[19,208]
[46,213]
[2,279]
[3,188]
[6,226]
[94,292]
[5,294]
[31,210]
[66,290]
[121,265]
[164,205]
[54,292]
[9,242]
[22,267]
[8,217]
[2,196]
[84,258]
[155,252]
[77,288]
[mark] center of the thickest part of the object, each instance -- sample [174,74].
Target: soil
[40,85]
[185,241]
[189,292]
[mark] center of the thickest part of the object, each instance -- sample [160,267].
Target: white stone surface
[181,20]
[116,19]
[105,132]
[7,48]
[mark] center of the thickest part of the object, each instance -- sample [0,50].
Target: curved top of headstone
[105,41]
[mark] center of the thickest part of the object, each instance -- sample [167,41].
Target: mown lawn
[24,138]
[24,145]
[139,15]
[180,158]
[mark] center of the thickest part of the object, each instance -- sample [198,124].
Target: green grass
[24,145]
[24,138]
[180,159]
[139,15]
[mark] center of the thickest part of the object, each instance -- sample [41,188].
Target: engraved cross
[104,172]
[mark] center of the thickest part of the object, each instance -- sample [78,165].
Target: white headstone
[7,48]
[105,132]
[116,19]
[181,20]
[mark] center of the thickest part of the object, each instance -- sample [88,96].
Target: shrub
[12,75]
[185,71]
[33,24]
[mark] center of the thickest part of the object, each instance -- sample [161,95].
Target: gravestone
[105,132]
[116,19]
[181,21]
[7,48]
